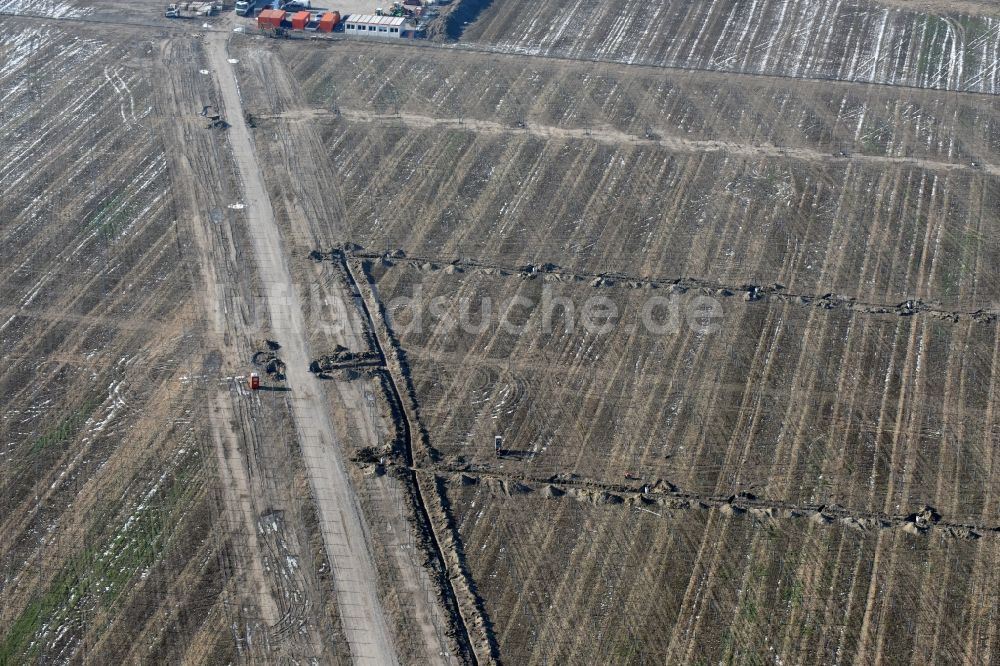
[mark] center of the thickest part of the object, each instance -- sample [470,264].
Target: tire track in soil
[492,51]
[214,251]
[500,53]
[254,487]
[311,209]
[107,19]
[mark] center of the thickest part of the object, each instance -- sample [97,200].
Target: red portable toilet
[300,20]
[329,21]
[254,381]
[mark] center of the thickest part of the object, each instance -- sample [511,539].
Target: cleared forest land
[877,42]
[108,513]
[648,583]
[720,276]
[846,390]
[154,510]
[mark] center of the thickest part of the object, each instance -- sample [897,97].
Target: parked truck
[246,7]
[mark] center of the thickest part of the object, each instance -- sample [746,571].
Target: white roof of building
[371,19]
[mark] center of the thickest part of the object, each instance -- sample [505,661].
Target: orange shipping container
[300,20]
[329,21]
[272,17]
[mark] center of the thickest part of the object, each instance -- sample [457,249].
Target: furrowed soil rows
[49,8]
[646,103]
[288,606]
[754,211]
[779,449]
[887,418]
[121,538]
[106,493]
[883,234]
[307,208]
[707,585]
[848,40]
[846,393]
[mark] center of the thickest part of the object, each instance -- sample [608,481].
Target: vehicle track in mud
[869,377]
[503,52]
[894,398]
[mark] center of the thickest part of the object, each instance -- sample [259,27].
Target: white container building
[370,25]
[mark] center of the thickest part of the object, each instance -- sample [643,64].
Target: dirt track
[342,525]
[612,136]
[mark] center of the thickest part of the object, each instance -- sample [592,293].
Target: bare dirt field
[109,513]
[148,497]
[856,40]
[847,384]
[721,277]
[652,582]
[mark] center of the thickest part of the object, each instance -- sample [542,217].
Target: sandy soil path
[344,531]
[662,138]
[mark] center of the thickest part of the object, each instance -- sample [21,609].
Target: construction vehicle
[246,7]
[192,9]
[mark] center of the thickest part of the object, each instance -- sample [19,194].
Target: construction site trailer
[270,18]
[374,26]
[300,20]
[278,17]
[329,21]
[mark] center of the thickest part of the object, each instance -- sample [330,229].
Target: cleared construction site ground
[779,449]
